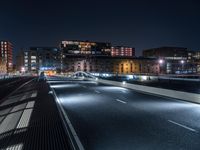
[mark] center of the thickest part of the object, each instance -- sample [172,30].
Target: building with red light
[122,51]
[6,55]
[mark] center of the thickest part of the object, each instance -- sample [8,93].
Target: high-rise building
[38,59]
[122,51]
[6,55]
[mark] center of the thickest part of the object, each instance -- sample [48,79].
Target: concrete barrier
[186,96]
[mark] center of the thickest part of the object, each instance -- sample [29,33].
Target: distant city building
[91,51]
[3,68]
[6,55]
[176,60]
[38,59]
[85,48]
[122,51]
[170,53]
[194,57]
[20,61]
[97,57]
[109,64]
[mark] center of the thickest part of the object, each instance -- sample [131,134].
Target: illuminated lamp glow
[182,61]
[144,78]
[161,61]
[130,76]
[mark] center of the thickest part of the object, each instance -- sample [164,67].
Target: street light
[22,69]
[160,61]
[182,61]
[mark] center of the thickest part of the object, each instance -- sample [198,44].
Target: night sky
[138,23]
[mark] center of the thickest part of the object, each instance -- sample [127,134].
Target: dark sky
[138,23]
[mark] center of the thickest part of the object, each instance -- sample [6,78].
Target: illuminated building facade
[85,48]
[113,65]
[177,60]
[122,51]
[81,49]
[38,59]
[194,57]
[6,55]
[3,68]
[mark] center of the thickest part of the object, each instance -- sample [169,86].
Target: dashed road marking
[183,126]
[121,101]
[97,92]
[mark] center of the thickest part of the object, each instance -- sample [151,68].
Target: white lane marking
[15,147]
[121,101]
[34,94]
[10,122]
[25,118]
[30,104]
[183,126]
[97,92]
[18,107]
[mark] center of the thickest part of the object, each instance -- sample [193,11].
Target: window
[33,68]
[33,57]
[131,67]
[33,61]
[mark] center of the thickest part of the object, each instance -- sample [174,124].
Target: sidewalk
[29,120]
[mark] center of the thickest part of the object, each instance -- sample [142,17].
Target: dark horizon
[141,24]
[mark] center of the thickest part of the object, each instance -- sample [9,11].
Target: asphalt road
[113,118]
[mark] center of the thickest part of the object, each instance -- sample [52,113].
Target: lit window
[33,61]
[33,57]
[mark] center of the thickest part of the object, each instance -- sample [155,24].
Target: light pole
[182,66]
[161,62]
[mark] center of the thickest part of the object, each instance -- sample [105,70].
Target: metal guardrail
[180,95]
[180,79]
[2,77]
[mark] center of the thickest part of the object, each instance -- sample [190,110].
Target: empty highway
[107,117]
